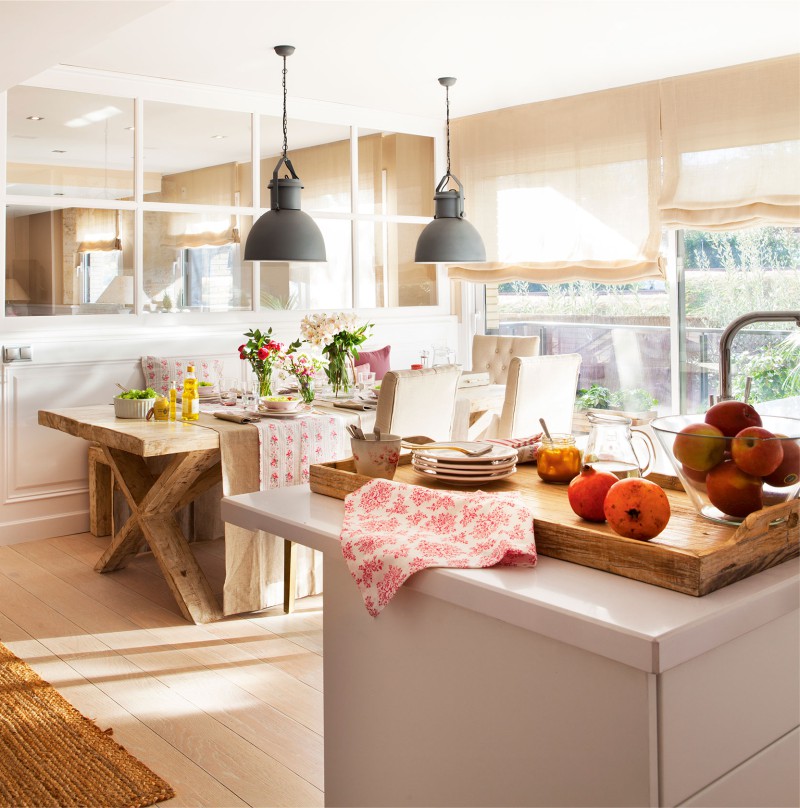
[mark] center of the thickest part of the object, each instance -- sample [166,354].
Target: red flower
[241,348]
[263,353]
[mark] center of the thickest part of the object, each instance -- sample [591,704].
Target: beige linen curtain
[565,189]
[731,142]
[97,230]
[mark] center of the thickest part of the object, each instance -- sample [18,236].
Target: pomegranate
[587,493]
[637,508]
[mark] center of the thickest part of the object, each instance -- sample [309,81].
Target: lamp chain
[285,128]
[447,101]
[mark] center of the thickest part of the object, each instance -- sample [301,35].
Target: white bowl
[132,407]
[284,404]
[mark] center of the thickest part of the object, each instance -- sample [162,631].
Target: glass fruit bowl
[728,478]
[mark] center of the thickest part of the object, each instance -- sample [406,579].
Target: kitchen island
[558,685]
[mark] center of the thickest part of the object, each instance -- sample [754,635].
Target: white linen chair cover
[493,353]
[537,387]
[418,402]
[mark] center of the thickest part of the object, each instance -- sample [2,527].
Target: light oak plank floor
[230,713]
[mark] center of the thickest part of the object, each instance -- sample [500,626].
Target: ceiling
[376,55]
[388,55]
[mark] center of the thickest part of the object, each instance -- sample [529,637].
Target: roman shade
[97,230]
[565,189]
[731,143]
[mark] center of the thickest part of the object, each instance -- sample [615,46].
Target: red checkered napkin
[392,530]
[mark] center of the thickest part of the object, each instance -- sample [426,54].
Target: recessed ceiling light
[218,137]
[59,151]
[34,118]
[58,193]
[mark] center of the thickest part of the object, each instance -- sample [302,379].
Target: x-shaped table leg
[153,501]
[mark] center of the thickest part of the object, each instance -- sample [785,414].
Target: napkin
[527,448]
[237,417]
[392,530]
[354,404]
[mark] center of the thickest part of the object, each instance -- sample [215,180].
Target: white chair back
[539,387]
[418,402]
[493,353]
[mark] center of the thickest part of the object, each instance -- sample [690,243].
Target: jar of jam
[559,459]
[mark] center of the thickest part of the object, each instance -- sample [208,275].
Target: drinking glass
[366,380]
[227,392]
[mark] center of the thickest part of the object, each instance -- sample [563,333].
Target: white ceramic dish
[452,456]
[465,479]
[286,405]
[302,409]
[132,407]
[488,472]
[490,466]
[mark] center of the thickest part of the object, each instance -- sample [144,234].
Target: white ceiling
[388,55]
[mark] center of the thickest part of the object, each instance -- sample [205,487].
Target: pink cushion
[378,361]
[159,371]
[362,368]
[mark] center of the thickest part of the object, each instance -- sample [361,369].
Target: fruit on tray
[587,493]
[636,508]
[731,417]
[788,472]
[756,451]
[734,491]
[698,446]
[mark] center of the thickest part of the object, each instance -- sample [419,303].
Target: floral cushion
[377,360]
[160,372]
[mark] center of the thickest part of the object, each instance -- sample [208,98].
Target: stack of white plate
[456,468]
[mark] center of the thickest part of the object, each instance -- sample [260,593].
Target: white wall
[43,490]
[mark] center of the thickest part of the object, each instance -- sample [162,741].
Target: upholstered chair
[493,354]
[537,387]
[418,402]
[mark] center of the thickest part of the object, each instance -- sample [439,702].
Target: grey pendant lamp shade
[449,238]
[285,233]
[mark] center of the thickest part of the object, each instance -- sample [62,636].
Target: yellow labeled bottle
[190,400]
[173,400]
[161,408]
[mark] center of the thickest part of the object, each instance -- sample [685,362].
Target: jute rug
[51,755]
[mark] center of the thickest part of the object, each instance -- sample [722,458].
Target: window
[98,270]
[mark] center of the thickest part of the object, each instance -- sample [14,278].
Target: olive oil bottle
[190,402]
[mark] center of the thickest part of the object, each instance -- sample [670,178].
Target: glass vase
[306,386]
[338,371]
[265,383]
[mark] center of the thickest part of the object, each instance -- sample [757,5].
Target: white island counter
[559,685]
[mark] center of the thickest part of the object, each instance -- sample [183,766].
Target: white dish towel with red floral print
[392,530]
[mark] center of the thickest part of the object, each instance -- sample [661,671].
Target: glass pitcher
[610,446]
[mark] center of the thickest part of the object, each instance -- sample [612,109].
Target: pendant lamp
[449,238]
[285,233]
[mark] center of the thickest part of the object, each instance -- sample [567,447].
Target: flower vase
[338,371]
[265,384]
[306,386]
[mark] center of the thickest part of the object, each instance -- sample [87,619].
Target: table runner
[270,454]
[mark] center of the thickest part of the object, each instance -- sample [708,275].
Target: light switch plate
[17,353]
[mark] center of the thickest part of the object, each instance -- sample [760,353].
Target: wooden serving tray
[692,555]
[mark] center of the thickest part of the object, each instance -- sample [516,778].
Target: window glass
[63,143]
[68,261]
[395,174]
[728,274]
[621,332]
[193,262]
[320,155]
[194,155]
[387,273]
[324,285]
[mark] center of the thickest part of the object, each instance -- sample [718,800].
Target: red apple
[699,446]
[731,417]
[697,479]
[587,493]
[757,451]
[732,490]
[788,472]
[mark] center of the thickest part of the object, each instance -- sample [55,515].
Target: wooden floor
[228,713]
